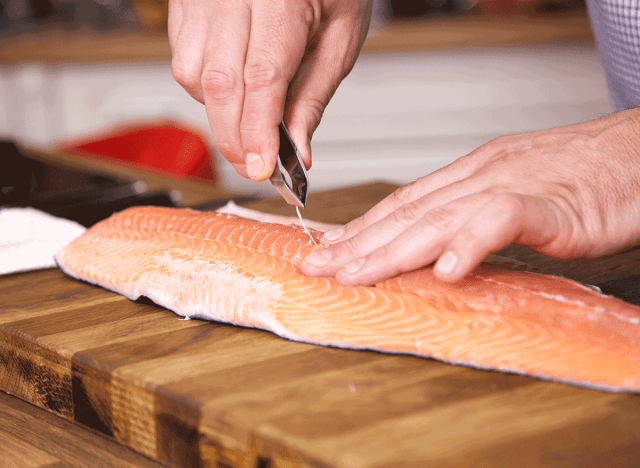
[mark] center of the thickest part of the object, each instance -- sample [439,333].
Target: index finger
[279,35]
[222,77]
[484,223]
[442,181]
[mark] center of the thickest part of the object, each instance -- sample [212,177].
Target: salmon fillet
[218,266]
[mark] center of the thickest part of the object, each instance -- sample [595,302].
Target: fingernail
[319,258]
[254,163]
[351,268]
[333,234]
[447,262]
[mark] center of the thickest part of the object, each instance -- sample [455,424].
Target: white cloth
[29,238]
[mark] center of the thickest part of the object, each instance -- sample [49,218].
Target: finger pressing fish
[222,267]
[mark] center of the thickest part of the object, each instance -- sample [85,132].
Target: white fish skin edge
[232,208]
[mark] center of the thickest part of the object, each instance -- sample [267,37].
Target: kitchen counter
[421,34]
[193,393]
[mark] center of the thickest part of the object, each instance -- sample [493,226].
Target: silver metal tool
[289,176]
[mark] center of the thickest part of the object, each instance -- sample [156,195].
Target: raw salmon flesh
[218,266]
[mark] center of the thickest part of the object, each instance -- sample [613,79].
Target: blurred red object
[170,147]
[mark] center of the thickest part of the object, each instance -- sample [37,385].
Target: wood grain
[197,394]
[32,437]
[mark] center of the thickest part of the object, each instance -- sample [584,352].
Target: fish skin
[218,266]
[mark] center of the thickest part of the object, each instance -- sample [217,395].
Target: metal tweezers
[289,176]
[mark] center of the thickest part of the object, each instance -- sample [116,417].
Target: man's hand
[251,62]
[567,192]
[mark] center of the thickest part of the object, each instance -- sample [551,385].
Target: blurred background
[436,79]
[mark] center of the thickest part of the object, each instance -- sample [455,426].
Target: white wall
[395,117]
[27,102]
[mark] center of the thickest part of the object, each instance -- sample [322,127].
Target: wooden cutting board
[198,394]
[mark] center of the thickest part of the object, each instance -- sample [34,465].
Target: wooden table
[138,380]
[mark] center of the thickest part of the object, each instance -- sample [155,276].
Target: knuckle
[355,226]
[502,141]
[314,108]
[404,195]
[388,255]
[441,217]
[471,241]
[308,13]
[509,204]
[219,84]
[186,76]
[351,248]
[406,215]
[493,225]
[251,126]
[261,74]
[228,149]
[497,145]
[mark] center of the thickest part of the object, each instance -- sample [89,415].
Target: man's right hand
[567,192]
[253,62]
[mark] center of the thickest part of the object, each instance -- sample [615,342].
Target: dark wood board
[192,393]
[32,437]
